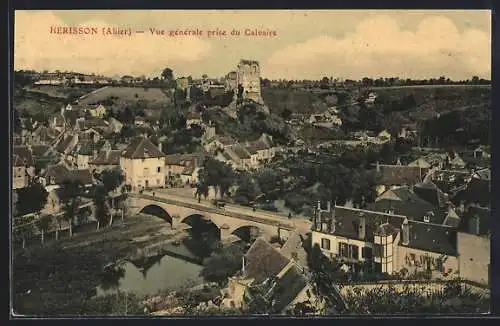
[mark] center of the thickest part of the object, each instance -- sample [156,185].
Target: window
[146,171]
[308,293]
[378,251]
[157,181]
[366,253]
[343,249]
[325,243]
[354,252]
[159,169]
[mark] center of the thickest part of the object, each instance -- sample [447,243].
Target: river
[150,276]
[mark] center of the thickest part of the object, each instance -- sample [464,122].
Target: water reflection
[157,273]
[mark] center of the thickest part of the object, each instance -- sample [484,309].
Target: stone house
[267,273]
[143,164]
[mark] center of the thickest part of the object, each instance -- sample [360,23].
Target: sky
[309,44]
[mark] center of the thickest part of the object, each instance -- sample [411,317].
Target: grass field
[126,94]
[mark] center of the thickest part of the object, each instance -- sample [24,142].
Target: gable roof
[287,288]
[293,249]
[405,202]
[263,261]
[432,237]
[111,157]
[25,154]
[430,192]
[142,148]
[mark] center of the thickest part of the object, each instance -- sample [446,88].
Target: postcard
[182,163]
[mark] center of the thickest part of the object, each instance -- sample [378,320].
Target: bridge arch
[158,211]
[247,232]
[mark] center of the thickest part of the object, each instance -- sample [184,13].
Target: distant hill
[127,94]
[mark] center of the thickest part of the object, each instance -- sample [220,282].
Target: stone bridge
[179,214]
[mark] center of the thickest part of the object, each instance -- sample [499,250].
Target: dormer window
[427,219]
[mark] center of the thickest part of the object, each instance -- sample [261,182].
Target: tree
[325,82]
[43,224]
[31,199]
[70,193]
[101,209]
[326,278]
[168,76]
[201,190]
[223,263]
[112,179]
[23,228]
[216,174]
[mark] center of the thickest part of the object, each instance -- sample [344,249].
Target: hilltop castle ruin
[247,75]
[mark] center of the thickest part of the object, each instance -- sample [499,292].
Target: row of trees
[31,201]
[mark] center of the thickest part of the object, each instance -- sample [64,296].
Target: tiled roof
[477,191]
[397,175]
[263,261]
[58,172]
[287,288]
[258,145]
[111,157]
[84,176]
[293,249]
[430,193]
[39,150]
[226,140]
[25,154]
[240,151]
[407,203]
[64,143]
[44,133]
[432,237]
[142,148]
[349,220]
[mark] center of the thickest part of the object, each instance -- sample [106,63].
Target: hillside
[127,94]
[300,101]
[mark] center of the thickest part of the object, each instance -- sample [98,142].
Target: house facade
[143,165]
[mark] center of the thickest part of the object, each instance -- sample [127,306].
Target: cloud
[36,48]
[379,47]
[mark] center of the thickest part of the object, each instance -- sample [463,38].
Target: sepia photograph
[181,163]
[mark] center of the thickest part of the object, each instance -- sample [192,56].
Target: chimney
[333,220]
[398,162]
[405,234]
[328,206]
[378,167]
[362,228]
[319,206]
[477,225]
[243,265]
[95,153]
[160,146]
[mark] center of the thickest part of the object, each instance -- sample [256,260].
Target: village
[355,206]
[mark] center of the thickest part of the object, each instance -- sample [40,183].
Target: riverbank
[60,278]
